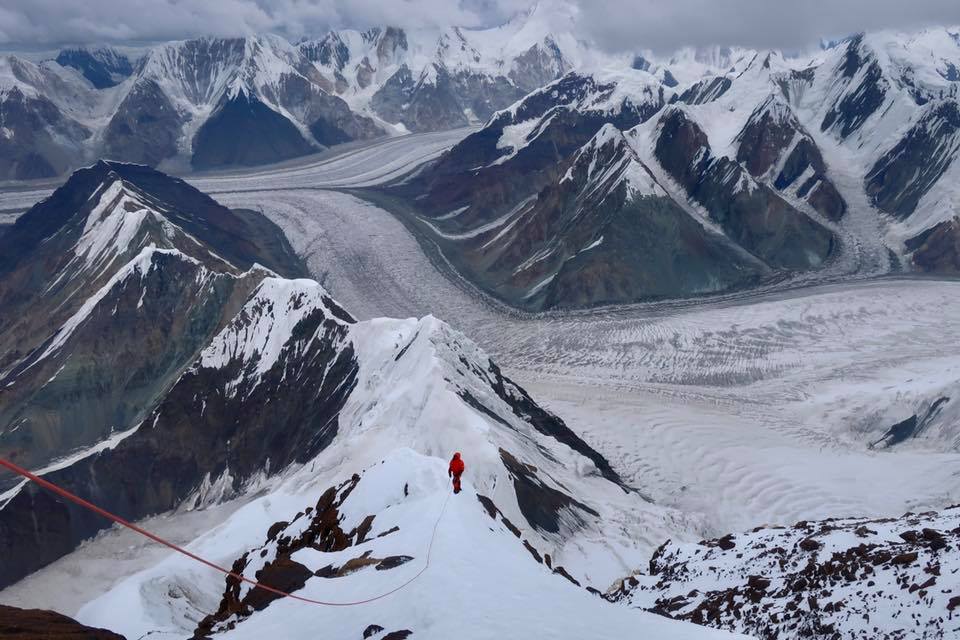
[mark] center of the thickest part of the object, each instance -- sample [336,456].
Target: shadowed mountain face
[213,101]
[81,356]
[36,139]
[103,67]
[267,137]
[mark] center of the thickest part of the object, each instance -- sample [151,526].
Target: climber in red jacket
[456,470]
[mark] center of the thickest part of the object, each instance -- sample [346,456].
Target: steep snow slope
[479,576]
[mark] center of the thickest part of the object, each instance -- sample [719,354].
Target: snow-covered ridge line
[266,324]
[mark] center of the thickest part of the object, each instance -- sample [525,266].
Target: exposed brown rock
[35,624]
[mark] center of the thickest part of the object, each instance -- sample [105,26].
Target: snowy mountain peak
[611,160]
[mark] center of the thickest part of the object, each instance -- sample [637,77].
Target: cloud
[764,24]
[50,22]
[622,25]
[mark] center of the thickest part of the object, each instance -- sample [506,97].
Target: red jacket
[456,465]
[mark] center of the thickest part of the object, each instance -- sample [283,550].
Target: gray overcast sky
[616,24]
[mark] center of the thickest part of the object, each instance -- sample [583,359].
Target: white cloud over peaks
[621,25]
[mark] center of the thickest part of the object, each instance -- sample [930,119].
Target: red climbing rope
[129,525]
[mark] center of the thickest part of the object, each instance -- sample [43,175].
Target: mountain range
[171,346]
[217,102]
[612,187]
[173,357]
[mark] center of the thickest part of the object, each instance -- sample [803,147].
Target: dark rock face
[329,51]
[765,137]
[561,196]
[472,174]
[537,66]
[421,104]
[543,421]
[320,527]
[859,102]
[705,91]
[322,533]
[441,99]
[102,67]
[328,117]
[543,506]
[34,624]
[124,362]
[750,213]
[641,247]
[146,127]
[245,131]
[900,178]
[115,364]
[558,501]
[773,130]
[183,441]
[937,250]
[913,426]
[33,133]
[861,579]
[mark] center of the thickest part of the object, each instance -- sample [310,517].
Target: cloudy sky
[616,24]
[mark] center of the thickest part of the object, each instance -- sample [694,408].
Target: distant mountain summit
[219,102]
[765,170]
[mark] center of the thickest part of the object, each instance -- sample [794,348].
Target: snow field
[481,581]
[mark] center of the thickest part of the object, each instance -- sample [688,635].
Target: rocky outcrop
[865,91]
[773,145]
[903,175]
[706,90]
[750,213]
[317,527]
[937,250]
[34,624]
[884,579]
